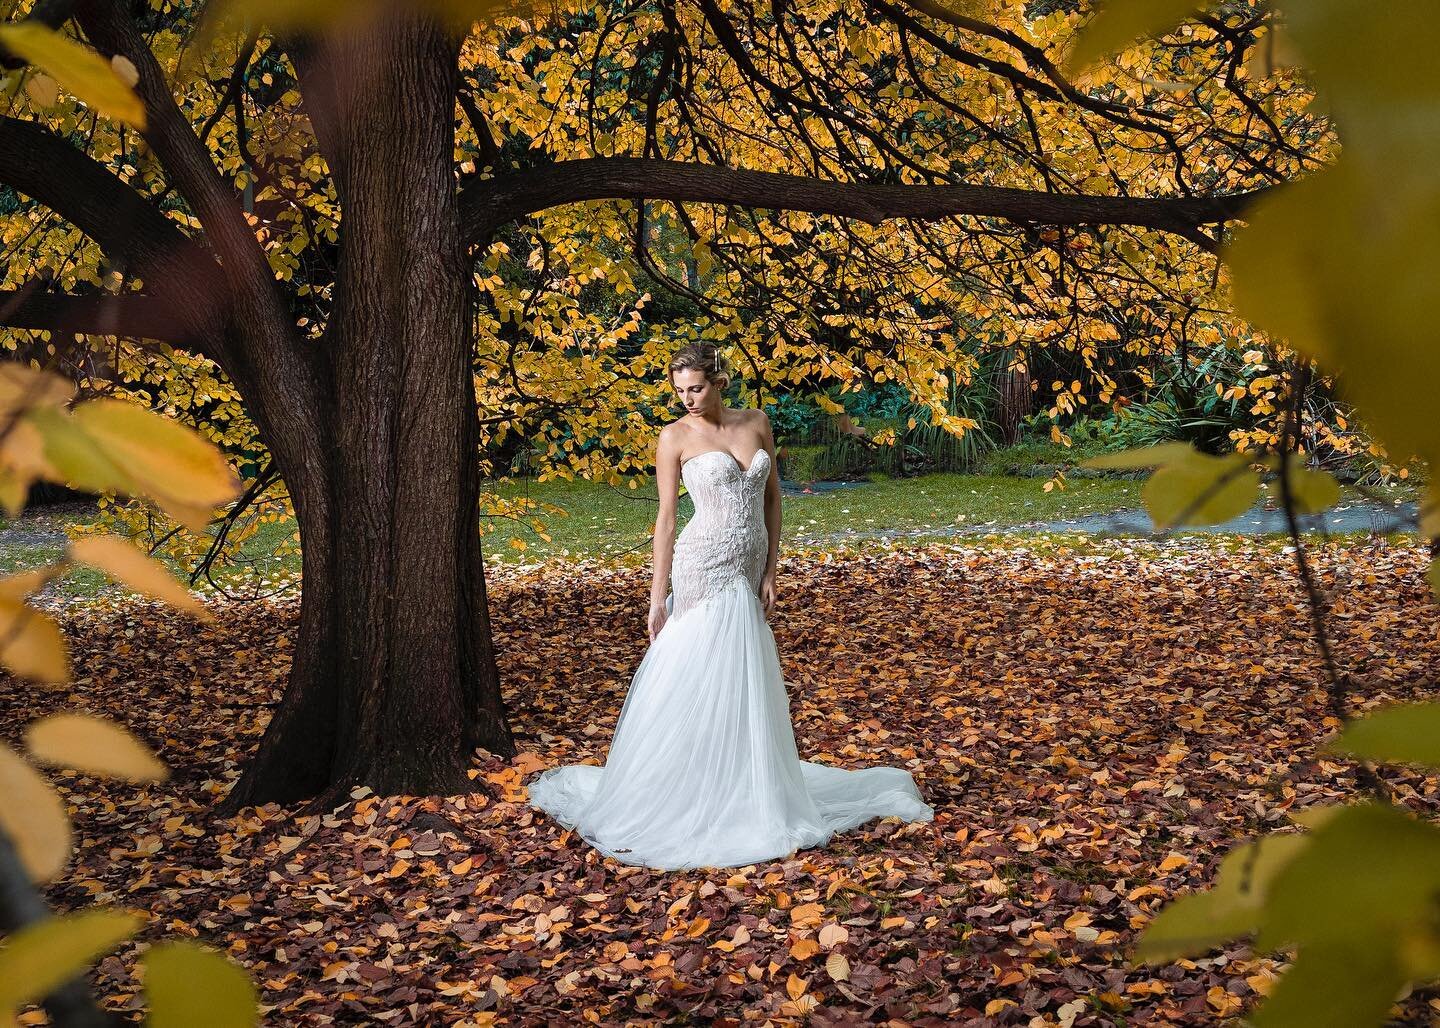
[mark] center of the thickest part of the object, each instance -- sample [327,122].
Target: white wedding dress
[703,770]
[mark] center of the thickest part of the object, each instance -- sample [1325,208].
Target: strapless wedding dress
[703,769]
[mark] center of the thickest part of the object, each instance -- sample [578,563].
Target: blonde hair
[704,357]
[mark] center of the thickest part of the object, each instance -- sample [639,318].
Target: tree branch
[133,232]
[132,314]
[186,161]
[491,203]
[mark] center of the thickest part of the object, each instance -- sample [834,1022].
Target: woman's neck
[715,418]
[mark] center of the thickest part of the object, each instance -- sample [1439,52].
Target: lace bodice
[726,538]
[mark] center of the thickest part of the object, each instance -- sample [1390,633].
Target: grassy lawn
[601,521]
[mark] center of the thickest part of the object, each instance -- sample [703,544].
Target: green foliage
[189,986]
[1403,734]
[807,463]
[40,957]
[792,417]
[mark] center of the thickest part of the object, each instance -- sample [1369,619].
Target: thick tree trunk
[394,683]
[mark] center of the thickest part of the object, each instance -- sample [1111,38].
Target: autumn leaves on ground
[1093,728]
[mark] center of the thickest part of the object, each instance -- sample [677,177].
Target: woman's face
[695,391]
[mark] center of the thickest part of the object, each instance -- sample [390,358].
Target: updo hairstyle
[704,357]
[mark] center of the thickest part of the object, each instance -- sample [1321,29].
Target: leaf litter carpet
[1094,727]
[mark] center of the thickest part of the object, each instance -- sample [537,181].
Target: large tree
[320,213]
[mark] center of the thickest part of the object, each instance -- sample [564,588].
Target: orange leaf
[807,915]
[804,949]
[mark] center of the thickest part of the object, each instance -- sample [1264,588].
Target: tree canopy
[843,195]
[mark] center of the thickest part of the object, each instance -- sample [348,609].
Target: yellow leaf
[837,967]
[189,986]
[79,69]
[806,915]
[23,388]
[22,454]
[125,69]
[1200,490]
[1313,490]
[14,489]
[42,90]
[833,935]
[795,987]
[23,583]
[1142,457]
[31,644]
[43,955]
[166,461]
[92,745]
[996,1005]
[126,564]
[1336,267]
[1121,22]
[34,818]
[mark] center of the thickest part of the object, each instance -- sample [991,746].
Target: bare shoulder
[759,420]
[674,432]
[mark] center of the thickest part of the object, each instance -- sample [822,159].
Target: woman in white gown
[703,769]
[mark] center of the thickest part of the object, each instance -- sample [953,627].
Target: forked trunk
[394,682]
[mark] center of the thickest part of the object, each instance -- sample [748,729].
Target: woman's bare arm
[772,496]
[667,483]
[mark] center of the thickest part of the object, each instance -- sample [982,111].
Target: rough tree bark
[395,681]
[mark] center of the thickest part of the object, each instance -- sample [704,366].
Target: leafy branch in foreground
[1342,265]
[98,445]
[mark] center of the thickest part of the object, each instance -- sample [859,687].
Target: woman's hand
[767,592]
[658,616]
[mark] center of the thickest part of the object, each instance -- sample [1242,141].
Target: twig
[1337,684]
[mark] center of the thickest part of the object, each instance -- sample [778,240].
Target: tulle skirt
[703,769]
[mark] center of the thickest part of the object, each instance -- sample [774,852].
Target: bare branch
[488,204]
[135,315]
[177,269]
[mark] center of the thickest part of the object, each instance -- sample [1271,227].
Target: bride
[703,769]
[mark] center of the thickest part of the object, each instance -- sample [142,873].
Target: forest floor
[1094,727]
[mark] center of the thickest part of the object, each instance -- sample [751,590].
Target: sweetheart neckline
[743,469]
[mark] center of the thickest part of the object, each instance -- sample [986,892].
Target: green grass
[21,550]
[36,539]
[606,521]
[602,521]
